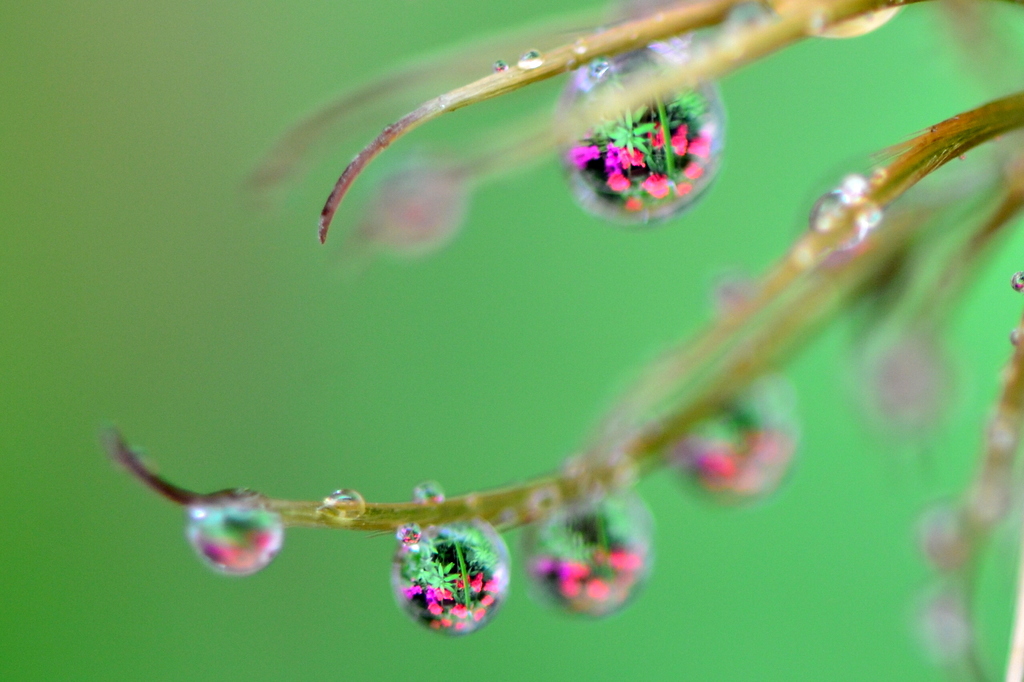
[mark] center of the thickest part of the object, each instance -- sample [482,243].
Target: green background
[139,286]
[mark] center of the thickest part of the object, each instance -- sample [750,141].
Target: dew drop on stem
[531,59]
[428,492]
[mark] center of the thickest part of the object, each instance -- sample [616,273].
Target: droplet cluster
[454,578]
[234,537]
[650,163]
[591,558]
[745,452]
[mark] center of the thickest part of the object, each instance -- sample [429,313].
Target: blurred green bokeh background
[137,286]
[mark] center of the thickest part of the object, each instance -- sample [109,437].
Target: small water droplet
[1015,336]
[853,188]
[500,66]
[653,162]
[591,558]
[580,47]
[945,626]
[344,501]
[1017,281]
[454,579]
[409,534]
[878,176]
[598,68]
[827,211]
[428,492]
[745,453]
[531,59]
[942,536]
[234,538]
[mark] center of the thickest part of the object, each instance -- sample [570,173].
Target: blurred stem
[802,292]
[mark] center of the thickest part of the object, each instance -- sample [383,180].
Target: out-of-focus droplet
[428,492]
[234,537]
[416,209]
[1015,336]
[868,217]
[344,501]
[942,536]
[858,26]
[827,211]
[454,579]
[945,627]
[500,66]
[745,453]
[907,380]
[531,59]
[1017,281]
[591,558]
[651,163]
[409,534]
[853,188]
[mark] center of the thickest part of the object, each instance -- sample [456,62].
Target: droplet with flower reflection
[650,163]
[454,579]
[745,452]
[234,537]
[591,558]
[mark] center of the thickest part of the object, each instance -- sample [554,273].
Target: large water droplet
[454,579]
[744,453]
[591,558]
[651,163]
[531,59]
[234,537]
[428,492]
[858,26]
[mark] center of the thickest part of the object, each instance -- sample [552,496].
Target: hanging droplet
[650,163]
[1017,281]
[591,558]
[500,66]
[858,26]
[347,502]
[428,492]
[454,579]
[1015,336]
[531,59]
[746,452]
[233,537]
[945,626]
[409,534]
[942,536]
[416,209]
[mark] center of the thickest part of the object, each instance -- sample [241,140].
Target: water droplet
[531,59]
[428,492]
[234,538]
[853,188]
[579,47]
[942,536]
[347,502]
[454,579]
[827,211]
[543,500]
[500,66]
[1017,281]
[906,380]
[868,217]
[1015,336]
[651,163]
[598,68]
[416,209]
[745,453]
[409,534]
[591,558]
[858,26]
[945,626]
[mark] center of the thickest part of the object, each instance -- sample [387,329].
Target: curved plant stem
[624,37]
[799,294]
